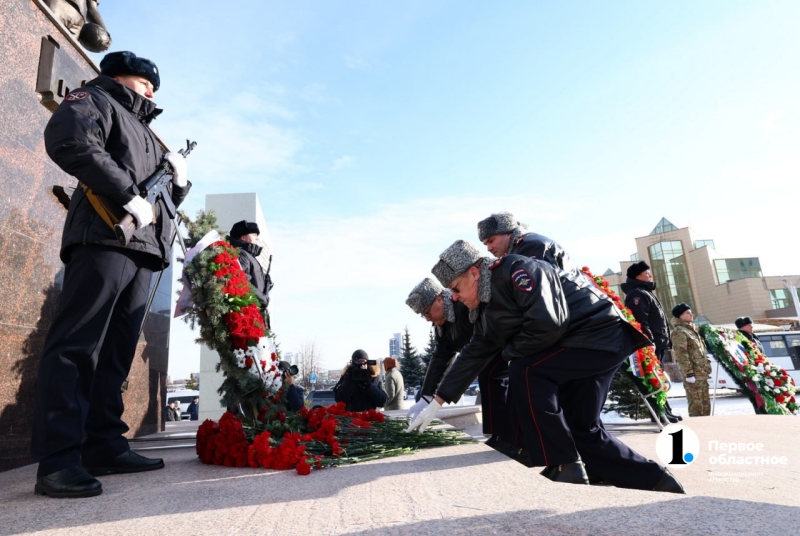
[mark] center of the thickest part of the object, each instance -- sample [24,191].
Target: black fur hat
[126,63]
[679,309]
[743,321]
[636,269]
[241,228]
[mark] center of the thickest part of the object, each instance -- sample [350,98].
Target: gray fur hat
[502,222]
[454,261]
[423,295]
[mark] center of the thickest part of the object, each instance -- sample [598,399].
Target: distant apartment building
[395,345]
[718,289]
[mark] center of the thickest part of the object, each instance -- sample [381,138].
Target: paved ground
[469,489]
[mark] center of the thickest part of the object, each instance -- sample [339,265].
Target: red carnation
[302,467]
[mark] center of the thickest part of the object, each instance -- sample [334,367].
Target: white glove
[690,379]
[417,408]
[424,419]
[178,163]
[141,210]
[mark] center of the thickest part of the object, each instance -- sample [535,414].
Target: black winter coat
[753,338]
[534,308]
[360,395]
[647,310]
[252,269]
[540,247]
[100,135]
[453,337]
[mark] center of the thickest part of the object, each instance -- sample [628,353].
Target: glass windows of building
[733,269]
[701,243]
[671,274]
[664,226]
[635,257]
[780,298]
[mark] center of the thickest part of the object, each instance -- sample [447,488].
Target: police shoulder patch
[496,263]
[522,280]
[77,95]
[636,301]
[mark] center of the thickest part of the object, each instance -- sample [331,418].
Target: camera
[292,369]
[360,371]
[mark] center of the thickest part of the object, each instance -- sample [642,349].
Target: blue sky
[377,133]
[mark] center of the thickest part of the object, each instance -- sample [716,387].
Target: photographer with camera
[294,393]
[360,387]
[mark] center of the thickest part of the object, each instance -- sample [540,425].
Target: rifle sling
[100,207]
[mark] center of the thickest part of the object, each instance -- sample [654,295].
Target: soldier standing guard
[639,298]
[244,236]
[690,353]
[100,134]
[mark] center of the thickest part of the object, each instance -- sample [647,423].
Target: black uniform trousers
[559,395]
[496,413]
[87,356]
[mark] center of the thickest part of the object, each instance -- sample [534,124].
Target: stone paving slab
[466,489]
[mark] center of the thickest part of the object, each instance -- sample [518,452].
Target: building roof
[664,226]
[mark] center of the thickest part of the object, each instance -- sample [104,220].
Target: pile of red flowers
[652,375]
[226,443]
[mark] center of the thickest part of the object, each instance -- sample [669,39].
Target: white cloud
[343,162]
[356,63]
[772,123]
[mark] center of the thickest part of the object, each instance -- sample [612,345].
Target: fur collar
[484,288]
[449,310]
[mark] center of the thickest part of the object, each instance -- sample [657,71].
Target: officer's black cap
[241,228]
[127,63]
[743,321]
[636,269]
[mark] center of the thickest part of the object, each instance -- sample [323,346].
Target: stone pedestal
[31,220]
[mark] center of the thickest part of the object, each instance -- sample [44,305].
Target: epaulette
[496,262]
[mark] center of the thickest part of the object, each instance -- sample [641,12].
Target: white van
[184,397]
[782,348]
[720,375]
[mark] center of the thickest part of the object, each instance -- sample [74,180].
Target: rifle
[155,187]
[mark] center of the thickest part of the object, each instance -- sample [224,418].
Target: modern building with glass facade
[718,289]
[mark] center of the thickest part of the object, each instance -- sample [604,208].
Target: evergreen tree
[191,383]
[426,357]
[411,366]
[201,226]
[624,396]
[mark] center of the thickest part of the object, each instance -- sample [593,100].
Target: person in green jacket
[689,352]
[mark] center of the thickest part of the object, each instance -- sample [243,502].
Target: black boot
[127,462]
[670,415]
[570,473]
[669,484]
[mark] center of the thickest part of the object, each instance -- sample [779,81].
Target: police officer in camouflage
[689,351]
